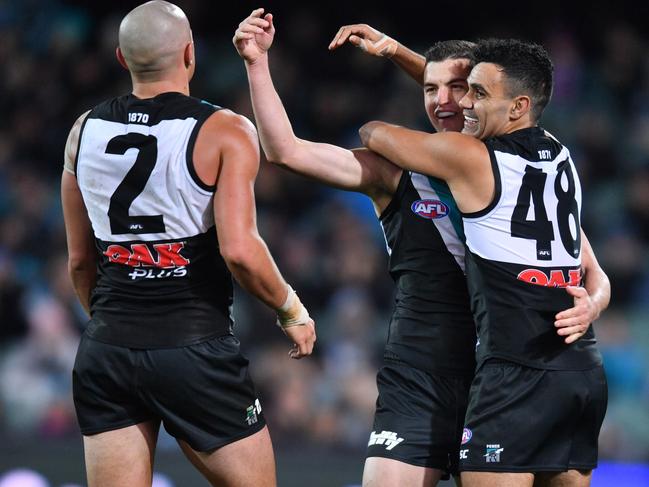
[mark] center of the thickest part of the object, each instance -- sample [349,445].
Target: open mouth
[444,114]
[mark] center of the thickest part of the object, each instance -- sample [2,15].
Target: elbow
[237,255]
[276,159]
[81,263]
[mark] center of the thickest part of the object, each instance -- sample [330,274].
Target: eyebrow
[450,82]
[478,86]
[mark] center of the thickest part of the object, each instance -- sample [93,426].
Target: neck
[149,89]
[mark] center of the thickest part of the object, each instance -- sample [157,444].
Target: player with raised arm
[160,214]
[431,342]
[520,199]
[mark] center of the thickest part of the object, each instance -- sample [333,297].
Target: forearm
[84,279]
[598,287]
[275,131]
[411,62]
[255,270]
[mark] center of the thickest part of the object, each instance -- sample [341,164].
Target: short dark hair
[527,67]
[453,49]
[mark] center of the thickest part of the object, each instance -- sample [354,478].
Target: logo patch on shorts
[467,434]
[387,438]
[430,209]
[252,411]
[493,453]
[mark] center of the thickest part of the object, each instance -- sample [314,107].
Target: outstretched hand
[366,38]
[574,322]
[254,35]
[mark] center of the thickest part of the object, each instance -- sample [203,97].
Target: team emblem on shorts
[466,435]
[493,453]
[252,412]
[387,438]
[430,209]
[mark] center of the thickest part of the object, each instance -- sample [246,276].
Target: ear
[188,54]
[521,105]
[120,58]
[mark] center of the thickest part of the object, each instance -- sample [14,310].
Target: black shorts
[202,393]
[419,417]
[522,419]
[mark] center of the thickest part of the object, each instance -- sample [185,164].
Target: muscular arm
[462,161]
[378,44]
[241,246]
[82,255]
[357,170]
[589,301]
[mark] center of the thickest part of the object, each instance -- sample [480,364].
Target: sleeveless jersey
[432,327]
[523,250]
[161,279]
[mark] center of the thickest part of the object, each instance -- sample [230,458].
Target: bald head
[153,37]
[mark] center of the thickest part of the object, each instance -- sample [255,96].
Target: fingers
[253,25]
[360,31]
[335,42]
[573,333]
[577,291]
[304,339]
[271,26]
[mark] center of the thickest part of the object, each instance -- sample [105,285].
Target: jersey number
[132,185]
[540,228]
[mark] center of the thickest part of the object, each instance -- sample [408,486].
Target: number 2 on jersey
[132,185]
[540,228]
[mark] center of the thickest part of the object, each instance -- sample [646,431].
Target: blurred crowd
[57,60]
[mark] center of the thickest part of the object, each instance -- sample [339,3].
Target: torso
[523,250]
[432,327]
[161,280]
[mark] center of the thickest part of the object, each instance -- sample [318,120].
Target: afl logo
[466,435]
[430,209]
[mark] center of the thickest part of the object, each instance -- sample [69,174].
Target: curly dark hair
[527,67]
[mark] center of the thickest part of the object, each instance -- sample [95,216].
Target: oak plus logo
[163,260]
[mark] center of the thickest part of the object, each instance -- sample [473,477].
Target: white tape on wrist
[292,312]
[386,46]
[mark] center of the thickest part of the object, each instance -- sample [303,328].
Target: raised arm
[357,170]
[240,244]
[82,255]
[589,300]
[378,44]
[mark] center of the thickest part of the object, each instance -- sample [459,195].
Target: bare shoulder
[231,123]
[72,143]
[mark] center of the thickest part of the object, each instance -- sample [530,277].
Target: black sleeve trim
[189,157]
[497,183]
[76,157]
[396,197]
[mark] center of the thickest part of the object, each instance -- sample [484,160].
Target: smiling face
[445,83]
[487,106]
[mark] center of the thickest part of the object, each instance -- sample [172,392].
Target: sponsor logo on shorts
[430,209]
[387,438]
[493,453]
[464,454]
[466,435]
[252,411]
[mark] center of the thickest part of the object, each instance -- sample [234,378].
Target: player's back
[523,250]
[161,279]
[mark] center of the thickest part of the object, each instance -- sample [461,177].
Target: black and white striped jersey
[523,250]
[432,327]
[161,279]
